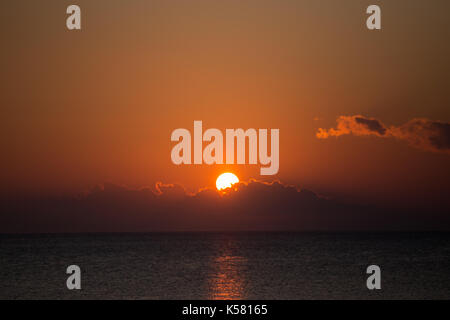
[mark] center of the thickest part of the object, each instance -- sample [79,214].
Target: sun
[226,180]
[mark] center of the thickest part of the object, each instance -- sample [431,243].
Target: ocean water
[226,265]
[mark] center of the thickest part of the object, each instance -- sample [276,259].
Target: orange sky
[81,108]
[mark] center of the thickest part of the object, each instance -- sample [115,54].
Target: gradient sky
[79,108]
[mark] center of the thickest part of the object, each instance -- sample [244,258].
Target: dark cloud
[253,205]
[356,125]
[372,125]
[421,133]
[425,134]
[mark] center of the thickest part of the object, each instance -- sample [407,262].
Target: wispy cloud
[421,133]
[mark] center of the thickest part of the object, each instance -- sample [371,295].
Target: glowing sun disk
[226,180]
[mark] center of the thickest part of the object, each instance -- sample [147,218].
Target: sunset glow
[226,180]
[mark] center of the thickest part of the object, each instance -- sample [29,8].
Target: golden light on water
[227,283]
[227,277]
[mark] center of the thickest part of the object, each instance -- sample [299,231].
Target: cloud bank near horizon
[420,133]
[249,206]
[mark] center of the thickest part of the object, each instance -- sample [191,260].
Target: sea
[254,265]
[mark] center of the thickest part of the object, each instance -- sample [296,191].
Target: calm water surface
[226,265]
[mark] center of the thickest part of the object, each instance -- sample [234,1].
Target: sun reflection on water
[226,280]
